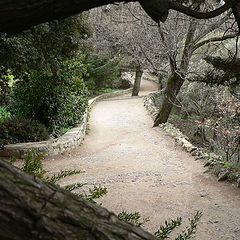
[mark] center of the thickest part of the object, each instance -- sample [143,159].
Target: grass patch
[108,90]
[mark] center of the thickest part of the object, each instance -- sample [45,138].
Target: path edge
[211,160]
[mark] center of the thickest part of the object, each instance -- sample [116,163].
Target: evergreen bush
[17,130]
[57,101]
[103,72]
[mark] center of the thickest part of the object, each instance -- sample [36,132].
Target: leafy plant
[6,81]
[166,229]
[169,226]
[189,231]
[133,218]
[4,113]
[74,186]
[93,193]
[33,164]
[103,72]
[63,173]
[108,90]
[225,127]
[16,130]
[57,101]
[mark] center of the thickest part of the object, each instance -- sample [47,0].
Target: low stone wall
[215,162]
[64,143]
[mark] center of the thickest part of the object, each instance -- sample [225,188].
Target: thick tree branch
[203,15]
[236,13]
[33,209]
[212,27]
[16,15]
[214,39]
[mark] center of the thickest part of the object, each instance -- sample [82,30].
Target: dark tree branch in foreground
[16,15]
[33,209]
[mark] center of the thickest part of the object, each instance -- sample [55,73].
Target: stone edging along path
[64,143]
[215,162]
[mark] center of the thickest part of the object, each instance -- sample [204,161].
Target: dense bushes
[15,130]
[57,101]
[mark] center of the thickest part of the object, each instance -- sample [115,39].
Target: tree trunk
[137,82]
[33,209]
[174,84]
[175,81]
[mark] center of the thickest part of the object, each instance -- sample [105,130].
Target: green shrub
[16,130]
[33,164]
[4,113]
[133,218]
[6,80]
[103,73]
[56,101]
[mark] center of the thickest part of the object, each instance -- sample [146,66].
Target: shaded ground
[144,171]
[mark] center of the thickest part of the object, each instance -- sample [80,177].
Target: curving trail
[144,171]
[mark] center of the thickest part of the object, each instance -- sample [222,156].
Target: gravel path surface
[144,171]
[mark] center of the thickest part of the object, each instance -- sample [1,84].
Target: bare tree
[196,37]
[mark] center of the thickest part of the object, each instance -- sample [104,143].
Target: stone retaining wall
[64,143]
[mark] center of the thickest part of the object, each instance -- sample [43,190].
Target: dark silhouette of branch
[16,16]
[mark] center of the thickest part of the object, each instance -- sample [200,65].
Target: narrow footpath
[144,171]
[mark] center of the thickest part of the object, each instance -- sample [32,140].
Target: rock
[223,175]
[194,152]
[208,163]
[203,193]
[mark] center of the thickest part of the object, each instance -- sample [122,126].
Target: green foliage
[4,113]
[42,47]
[33,164]
[174,117]
[164,231]
[62,174]
[189,231]
[16,130]
[108,90]
[58,101]
[103,72]
[93,193]
[133,218]
[74,186]
[6,81]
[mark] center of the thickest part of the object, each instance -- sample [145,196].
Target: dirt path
[144,171]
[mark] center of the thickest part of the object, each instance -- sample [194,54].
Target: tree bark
[137,82]
[16,15]
[174,84]
[33,209]
[176,80]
